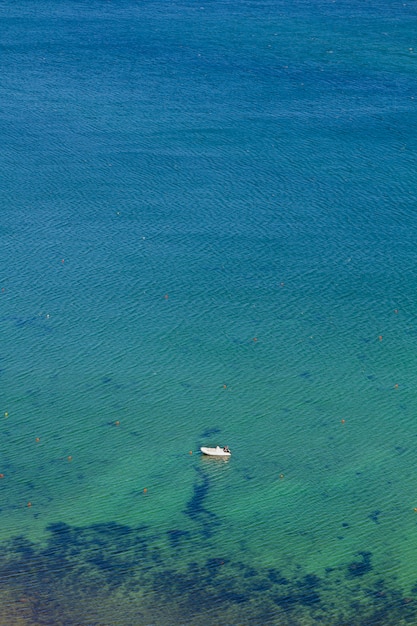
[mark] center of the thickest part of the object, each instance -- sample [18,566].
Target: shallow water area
[208,238]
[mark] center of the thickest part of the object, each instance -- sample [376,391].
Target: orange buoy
[145,490]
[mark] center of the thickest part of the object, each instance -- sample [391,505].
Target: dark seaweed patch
[236,597]
[84,573]
[209,432]
[361,567]
[214,564]
[195,508]
[302,592]
[177,536]
[374,516]
[308,590]
[275,576]
[285,601]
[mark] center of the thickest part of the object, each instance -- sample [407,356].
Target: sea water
[208,235]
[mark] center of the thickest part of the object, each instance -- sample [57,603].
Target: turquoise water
[208,237]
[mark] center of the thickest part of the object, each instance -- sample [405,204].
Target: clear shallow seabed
[208,236]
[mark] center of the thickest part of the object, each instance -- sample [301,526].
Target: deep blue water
[208,236]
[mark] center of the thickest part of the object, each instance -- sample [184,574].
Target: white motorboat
[217,451]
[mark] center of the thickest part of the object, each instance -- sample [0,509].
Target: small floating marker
[145,490]
[69,458]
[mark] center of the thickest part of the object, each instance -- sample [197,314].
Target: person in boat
[226,449]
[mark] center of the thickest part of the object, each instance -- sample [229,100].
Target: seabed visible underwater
[208,236]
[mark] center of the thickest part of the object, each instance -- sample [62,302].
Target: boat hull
[217,451]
